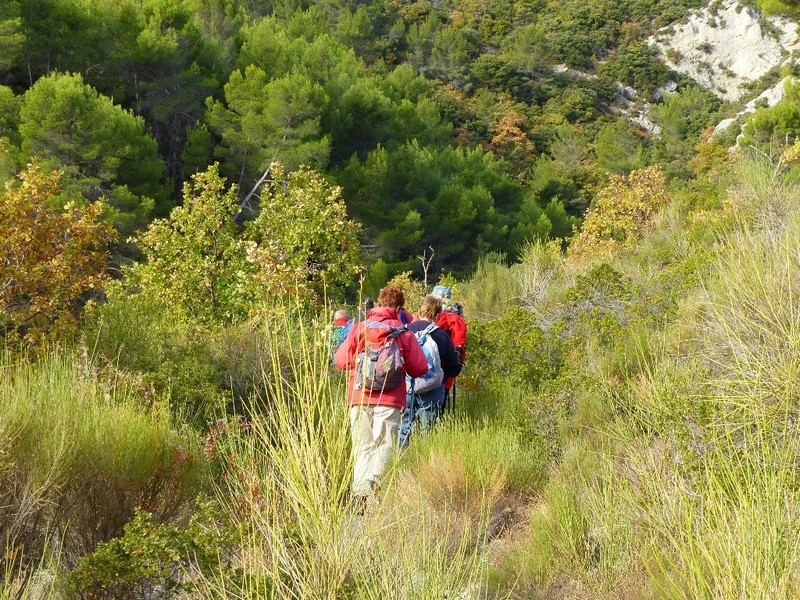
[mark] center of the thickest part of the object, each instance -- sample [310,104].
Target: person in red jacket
[451,320]
[375,413]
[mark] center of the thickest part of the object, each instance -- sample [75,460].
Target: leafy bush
[621,212]
[158,560]
[637,66]
[511,349]
[50,258]
[135,341]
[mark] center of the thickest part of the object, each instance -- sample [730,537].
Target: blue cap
[442,291]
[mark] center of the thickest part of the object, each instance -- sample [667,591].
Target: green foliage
[201,266]
[778,7]
[637,66]
[104,149]
[618,149]
[316,83]
[266,120]
[599,305]
[196,261]
[197,155]
[11,34]
[447,199]
[576,31]
[302,242]
[9,114]
[683,116]
[155,558]
[532,358]
[773,126]
[375,278]
[162,355]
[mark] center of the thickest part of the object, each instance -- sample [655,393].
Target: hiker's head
[341,314]
[430,308]
[392,297]
[443,292]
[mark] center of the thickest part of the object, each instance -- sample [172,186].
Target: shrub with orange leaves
[621,212]
[50,258]
[791,153]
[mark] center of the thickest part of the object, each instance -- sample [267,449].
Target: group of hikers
[402,371]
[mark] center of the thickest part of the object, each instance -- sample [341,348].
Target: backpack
[379,365]
[435,375]
[455,308]
[339,334]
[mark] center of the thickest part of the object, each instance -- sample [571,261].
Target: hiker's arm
[451,362]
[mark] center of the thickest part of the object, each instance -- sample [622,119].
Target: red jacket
[416,365]
[456,327]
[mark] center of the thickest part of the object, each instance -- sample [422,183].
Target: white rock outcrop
[768,97]
[726,45]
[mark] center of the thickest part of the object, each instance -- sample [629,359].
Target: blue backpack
[339,334]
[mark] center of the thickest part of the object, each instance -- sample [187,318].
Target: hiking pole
[454,397]
[403,442]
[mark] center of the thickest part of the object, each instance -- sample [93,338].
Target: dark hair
[391,296]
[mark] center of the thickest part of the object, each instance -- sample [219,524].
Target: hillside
[513,108]
[192,187]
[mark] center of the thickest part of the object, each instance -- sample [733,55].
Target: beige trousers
[374,431]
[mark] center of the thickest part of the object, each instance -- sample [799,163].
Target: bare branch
[245,204]
[426,263]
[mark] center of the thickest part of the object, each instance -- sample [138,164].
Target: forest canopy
[466,127]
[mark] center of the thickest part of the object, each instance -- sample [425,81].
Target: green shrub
[153,559]
[134,338]
[510,349]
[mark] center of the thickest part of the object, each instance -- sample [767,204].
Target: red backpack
[456,328]
[379,365]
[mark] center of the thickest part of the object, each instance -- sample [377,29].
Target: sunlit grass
[77,457]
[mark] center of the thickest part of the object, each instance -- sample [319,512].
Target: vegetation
[441,124]
[191,186]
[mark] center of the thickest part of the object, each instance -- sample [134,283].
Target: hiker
[342,323]
[426,394]
[452,321]
[378,352]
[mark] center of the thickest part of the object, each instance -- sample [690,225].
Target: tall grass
[688,486]
[77,457]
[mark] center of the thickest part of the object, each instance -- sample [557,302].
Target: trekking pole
[454,397]
[404,442]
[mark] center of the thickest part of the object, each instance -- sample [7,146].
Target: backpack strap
[396,331]
[430,329]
